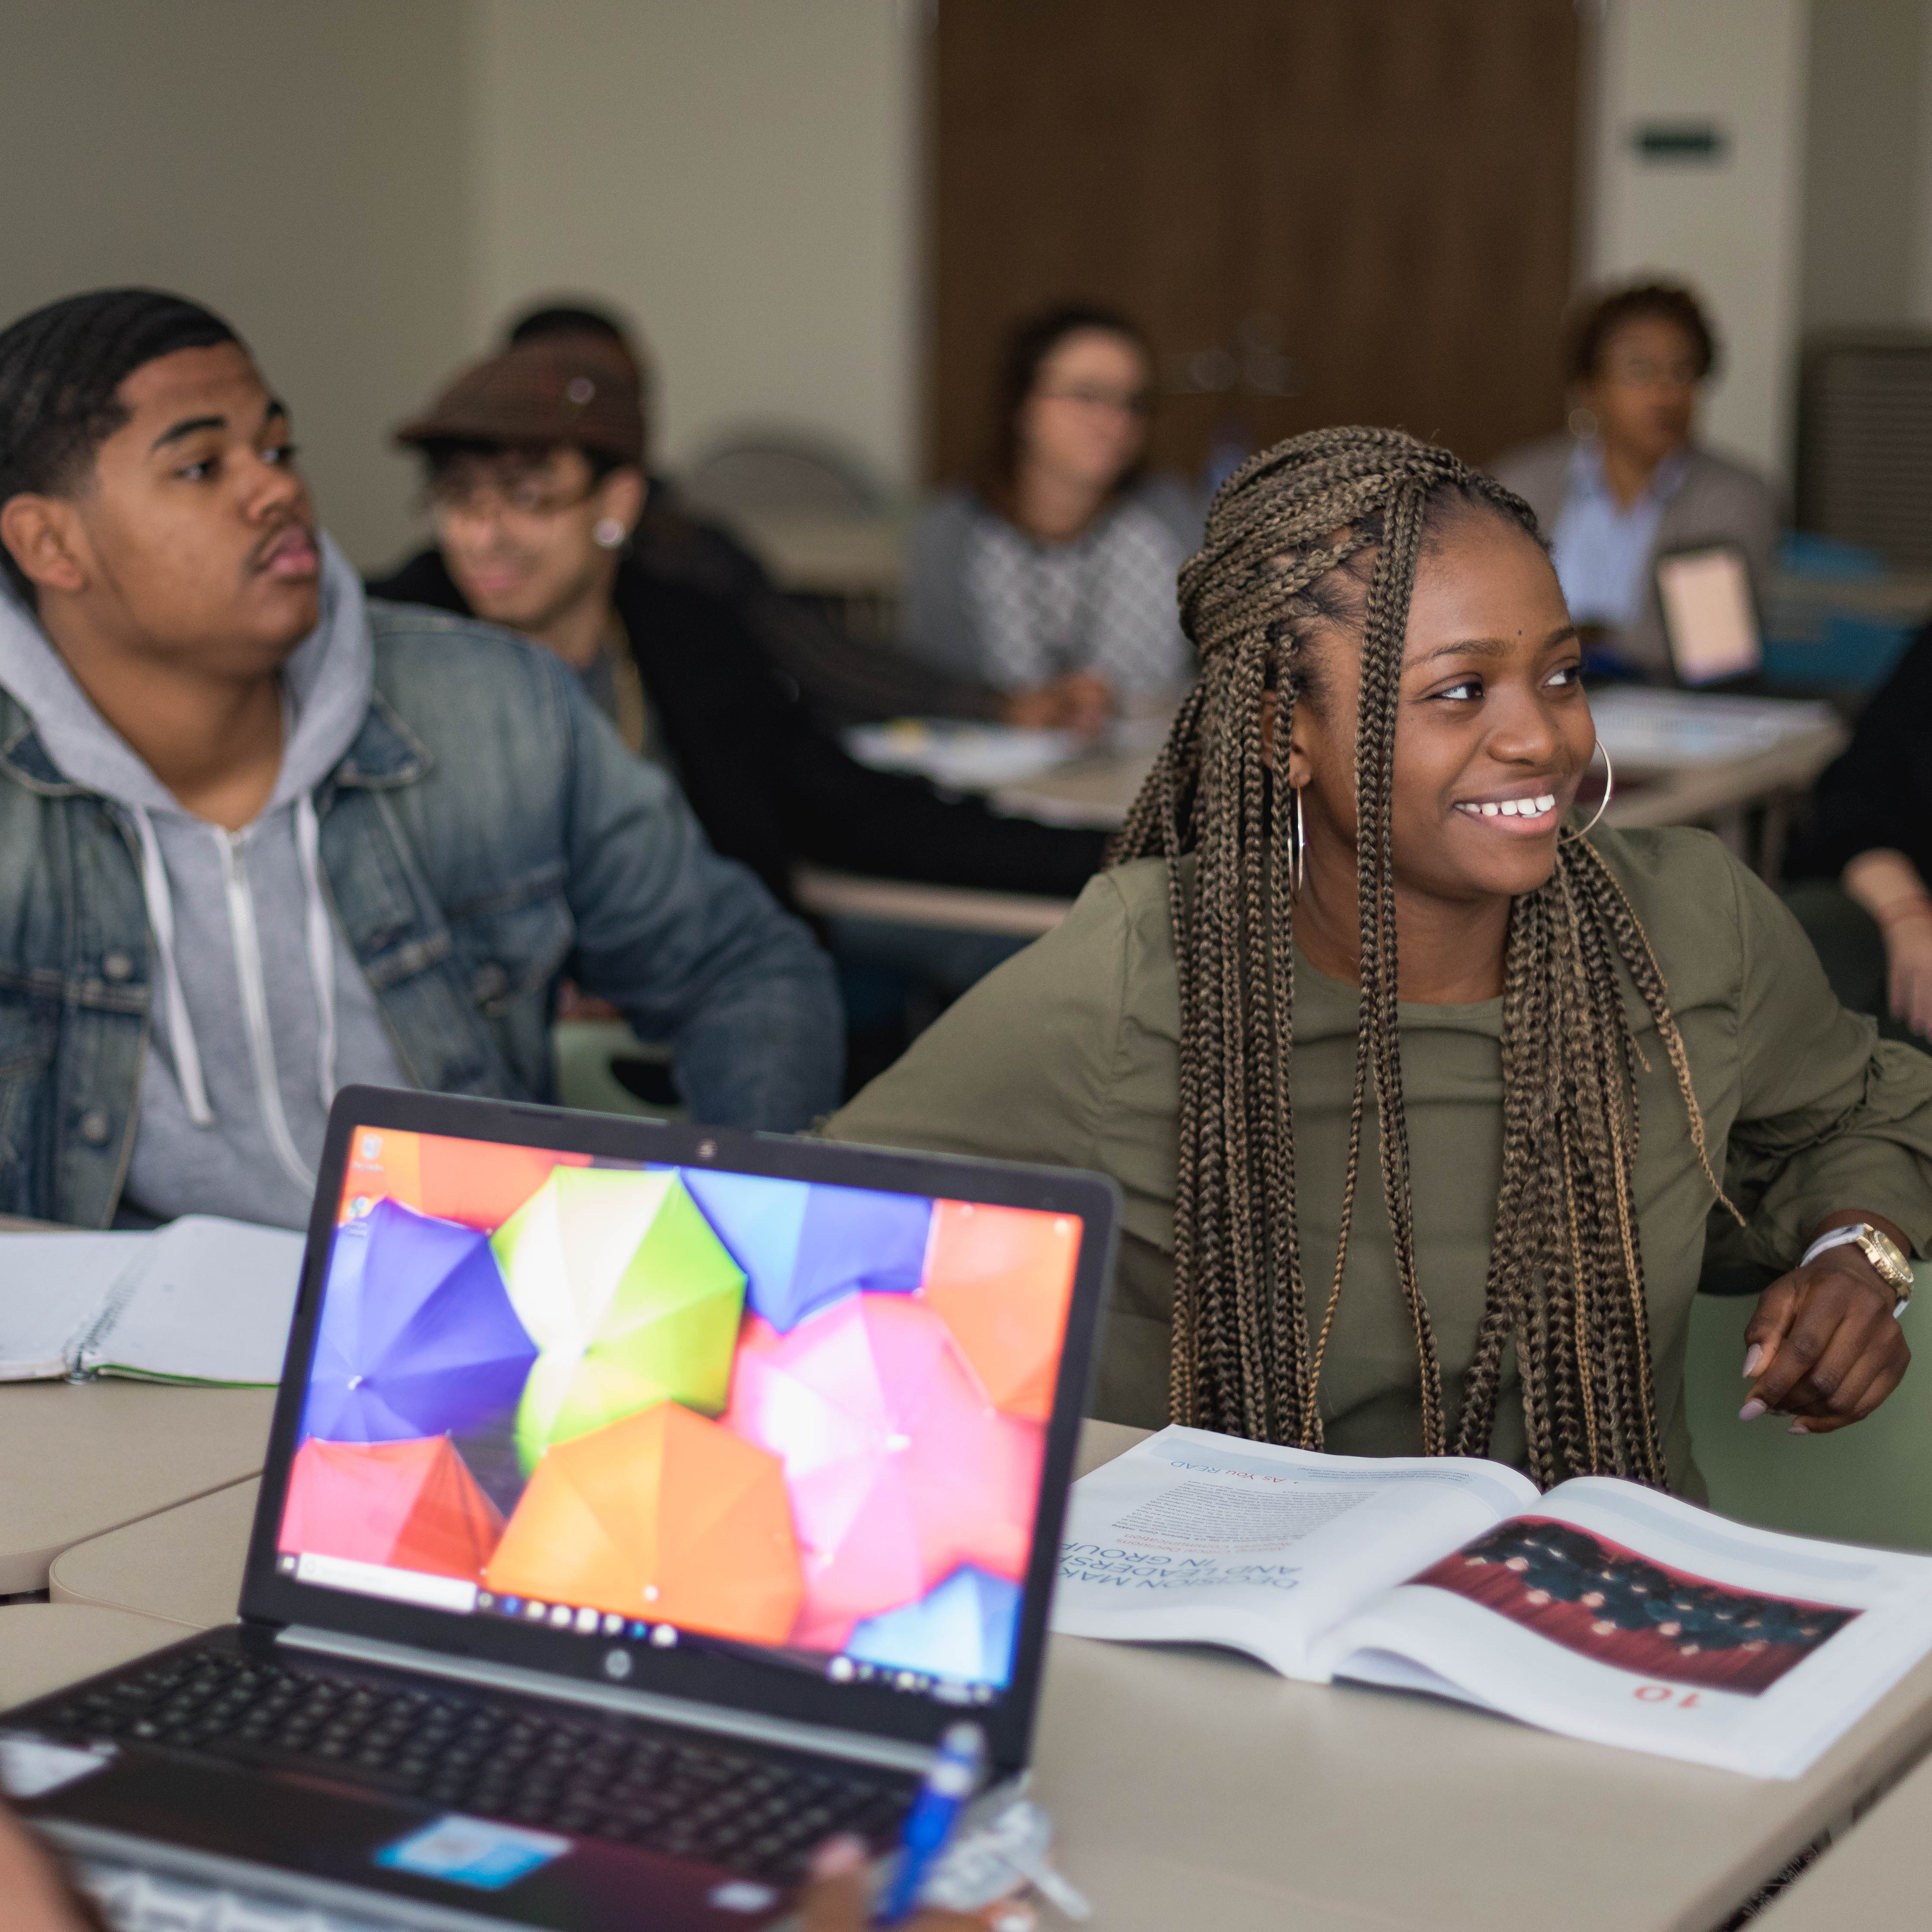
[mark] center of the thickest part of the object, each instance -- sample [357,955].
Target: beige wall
[1865,155]
[296,164]
[1733,230]
[366,186]
[738,174]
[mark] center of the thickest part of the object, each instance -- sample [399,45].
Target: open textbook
[1602,1610]
[202,1299]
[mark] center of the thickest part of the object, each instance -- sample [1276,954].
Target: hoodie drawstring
[319,934]
[161,917]
[321,946]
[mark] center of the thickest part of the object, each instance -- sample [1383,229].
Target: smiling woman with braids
[1420,1091]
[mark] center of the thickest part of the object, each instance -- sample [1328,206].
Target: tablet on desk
[1709,617]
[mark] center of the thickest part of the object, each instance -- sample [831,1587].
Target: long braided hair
[1565,1282]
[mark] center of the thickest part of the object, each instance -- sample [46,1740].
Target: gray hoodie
[259,1010]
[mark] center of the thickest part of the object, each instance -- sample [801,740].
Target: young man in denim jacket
[259,839]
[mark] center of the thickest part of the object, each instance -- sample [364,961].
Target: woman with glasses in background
[1051,578]
[1627,482]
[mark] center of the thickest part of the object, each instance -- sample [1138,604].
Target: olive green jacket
[1068,1054]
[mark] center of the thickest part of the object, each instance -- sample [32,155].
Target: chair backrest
[785,473]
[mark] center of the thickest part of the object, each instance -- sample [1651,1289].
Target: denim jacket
[486,833]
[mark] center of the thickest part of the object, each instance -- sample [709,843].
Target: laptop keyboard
[493,1756]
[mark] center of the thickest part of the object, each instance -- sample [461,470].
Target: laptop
[643,1503]
[1710,618]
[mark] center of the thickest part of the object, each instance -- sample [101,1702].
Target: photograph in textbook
[1595,1597]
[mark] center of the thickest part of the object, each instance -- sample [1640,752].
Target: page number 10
[1662,1693]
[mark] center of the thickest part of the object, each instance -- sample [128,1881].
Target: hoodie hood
[328,681]
[259,1008]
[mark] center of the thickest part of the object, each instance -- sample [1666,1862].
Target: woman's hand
[835,1900]
[1908,966]
[1824,1346]
[1078,702]
[34,1888]
[1887,884]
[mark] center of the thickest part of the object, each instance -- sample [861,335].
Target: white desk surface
[81,1459]
[1192,1787]
[183,1566]
[45,1646]
[1873,1875]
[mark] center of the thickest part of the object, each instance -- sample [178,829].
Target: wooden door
[1322,211]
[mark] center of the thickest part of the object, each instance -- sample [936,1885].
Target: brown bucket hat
[557,389]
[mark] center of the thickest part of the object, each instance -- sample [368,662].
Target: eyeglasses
[532,497]
[1091,396]
[1645,372]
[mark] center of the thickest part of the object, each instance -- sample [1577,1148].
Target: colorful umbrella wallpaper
[665,1516]
[900,1468]
[804,1417]
[632,1297]
[962,1627]
[411,1505]
[418,1336]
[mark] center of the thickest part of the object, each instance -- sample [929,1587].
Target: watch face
[1883,1253]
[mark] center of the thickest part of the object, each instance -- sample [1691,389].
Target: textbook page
[213,1304]
[53,1287]
[1610,1612]
[1192,1537]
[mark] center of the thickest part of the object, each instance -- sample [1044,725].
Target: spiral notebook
[203,1300]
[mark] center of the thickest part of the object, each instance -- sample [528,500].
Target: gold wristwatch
[1878,1247]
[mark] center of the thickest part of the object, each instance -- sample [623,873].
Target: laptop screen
[680,1406]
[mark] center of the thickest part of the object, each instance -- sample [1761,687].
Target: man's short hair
[61,368]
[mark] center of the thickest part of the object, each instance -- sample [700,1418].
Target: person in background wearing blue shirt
[1628,483]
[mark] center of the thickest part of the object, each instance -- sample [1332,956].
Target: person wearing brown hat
[537,459]
[536,491]
[844,680]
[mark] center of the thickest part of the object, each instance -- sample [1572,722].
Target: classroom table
[1097,791]
[183,1566]
[1192,1787]
[45,1646]
[1874,1874]
[83,1458]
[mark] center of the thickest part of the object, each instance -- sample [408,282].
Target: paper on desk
[202,1299]
[51,1286]
[960,756]
[1641,728]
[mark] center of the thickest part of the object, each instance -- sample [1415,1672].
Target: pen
[952,1781]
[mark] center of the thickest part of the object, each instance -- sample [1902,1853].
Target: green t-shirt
[1068,1055]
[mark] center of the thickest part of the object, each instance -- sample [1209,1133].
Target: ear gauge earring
[1603,805]
[1298,850]
[610,533]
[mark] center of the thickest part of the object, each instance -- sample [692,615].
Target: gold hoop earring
[1603,803]
[1297,852]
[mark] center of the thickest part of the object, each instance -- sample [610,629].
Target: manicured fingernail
[1797,1428]
[1753,1355]
[1752,1410]
[839,1856]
